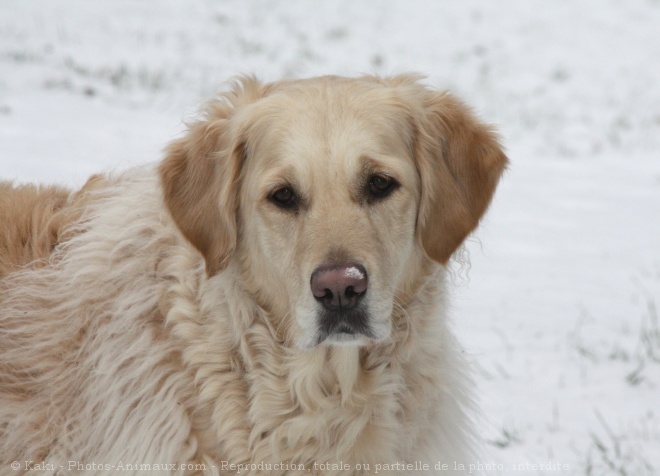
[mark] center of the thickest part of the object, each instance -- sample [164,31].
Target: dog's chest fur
[261,401]
[258,400]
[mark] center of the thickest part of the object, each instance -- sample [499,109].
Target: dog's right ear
[200,176]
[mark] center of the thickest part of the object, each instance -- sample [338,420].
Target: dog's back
[35,218]
[31,220]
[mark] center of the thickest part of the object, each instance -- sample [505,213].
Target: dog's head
[330,194]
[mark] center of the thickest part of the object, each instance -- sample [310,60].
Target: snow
[558,308]
[354,273]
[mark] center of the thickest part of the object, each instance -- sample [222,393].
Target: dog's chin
[345,339]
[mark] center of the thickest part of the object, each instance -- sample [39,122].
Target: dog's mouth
[344,327]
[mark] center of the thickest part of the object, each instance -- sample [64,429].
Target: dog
[269,299]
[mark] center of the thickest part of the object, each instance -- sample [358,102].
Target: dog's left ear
[460,162]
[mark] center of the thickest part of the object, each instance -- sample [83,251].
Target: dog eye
[381,186]
[284,197]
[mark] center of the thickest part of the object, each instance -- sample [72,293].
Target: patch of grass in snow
[22,56]
[119,76]
[615,454]
[642,353]
[647,352]
[583,350]
[507,437]
[649,336]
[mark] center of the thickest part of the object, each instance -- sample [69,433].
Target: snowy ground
[559,308]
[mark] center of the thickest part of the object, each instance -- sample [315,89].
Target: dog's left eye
[381,186]
[284,197]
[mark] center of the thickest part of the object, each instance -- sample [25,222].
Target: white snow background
[559,306]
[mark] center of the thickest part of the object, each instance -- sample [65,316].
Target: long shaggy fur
[120,349]
[30,220]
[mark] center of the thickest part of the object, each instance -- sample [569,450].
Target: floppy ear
[200,176]
[460,162]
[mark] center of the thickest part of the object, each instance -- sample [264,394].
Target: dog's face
[328,203]
[329,193]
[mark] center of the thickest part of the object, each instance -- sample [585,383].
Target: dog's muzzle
[340,289]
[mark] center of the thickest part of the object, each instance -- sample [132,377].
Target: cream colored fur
[130,348]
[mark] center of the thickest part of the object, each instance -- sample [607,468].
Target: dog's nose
[339,287]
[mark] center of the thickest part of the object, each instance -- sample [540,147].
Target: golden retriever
[269,300]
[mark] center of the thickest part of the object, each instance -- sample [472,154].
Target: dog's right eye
[284,197]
